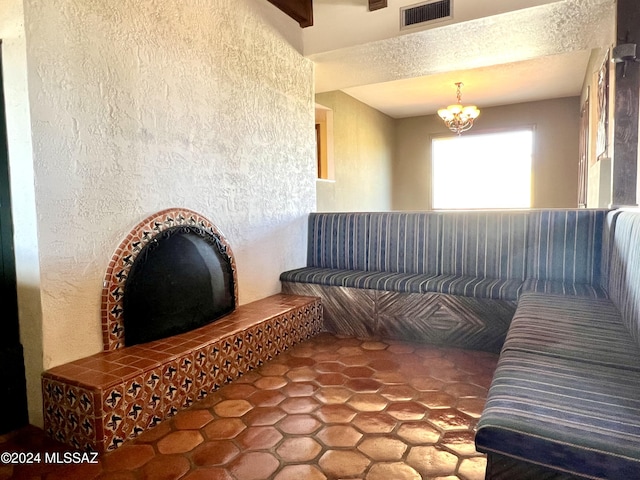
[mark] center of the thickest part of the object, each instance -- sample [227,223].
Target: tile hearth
[100,402]
[328,408]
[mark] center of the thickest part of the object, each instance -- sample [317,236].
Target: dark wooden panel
[300,10]
[474,323]
[625,151]
[377,4]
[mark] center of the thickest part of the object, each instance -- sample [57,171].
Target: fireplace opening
[182,279]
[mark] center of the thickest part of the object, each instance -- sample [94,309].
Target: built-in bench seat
[445,277]
[98,402]
[557,418]
[565,399]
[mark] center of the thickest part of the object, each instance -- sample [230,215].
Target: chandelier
[457,117]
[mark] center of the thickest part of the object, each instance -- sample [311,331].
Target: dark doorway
[13,397]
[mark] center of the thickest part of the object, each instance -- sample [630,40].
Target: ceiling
[503,52]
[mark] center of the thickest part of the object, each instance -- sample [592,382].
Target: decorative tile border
[101,417]
[125,255]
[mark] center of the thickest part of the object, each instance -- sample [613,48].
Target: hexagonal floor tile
[383,449]
[214,453]
[407,410]
[375,422]
[259,438]
[260,416]
[432,462]
[180,442]
[395,471]
[335,413]
[343,463]
[312,413]
[224,428]
[300,472]
[368,402]
[232,408]
[333,394]
[419,433]
[339,436]
[254,466]
[298,424]
[297,450]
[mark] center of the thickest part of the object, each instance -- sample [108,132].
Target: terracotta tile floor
[330,408]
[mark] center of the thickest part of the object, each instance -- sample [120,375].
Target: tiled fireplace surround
[98,402]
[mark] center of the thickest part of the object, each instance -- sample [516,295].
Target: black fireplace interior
[181,280]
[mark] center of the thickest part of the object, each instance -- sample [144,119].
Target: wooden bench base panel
[441,319]
[500,467]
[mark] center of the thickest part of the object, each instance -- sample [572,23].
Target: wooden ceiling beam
[300,10]
[377,4]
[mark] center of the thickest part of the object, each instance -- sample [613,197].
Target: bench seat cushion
[557,287]
[384,281]
[576,417]
[478,287]
[575,328]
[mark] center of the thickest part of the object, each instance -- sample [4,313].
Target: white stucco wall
[141,106]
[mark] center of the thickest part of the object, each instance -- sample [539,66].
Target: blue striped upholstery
[583,329]
[338,241]
[557,287]
[478,287]
[607,242]
[624,270]
[484,244]
[391,242]
[485,254]
[565,245]
[404,242]
[580,418]
[386,281]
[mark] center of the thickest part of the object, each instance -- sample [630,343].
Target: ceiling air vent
[425,12]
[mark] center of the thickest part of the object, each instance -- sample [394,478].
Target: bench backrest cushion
[554,245]
[338,240]
[607,245]
[404,242]
[389,242]
[624,270]
[565,245]
[484,244]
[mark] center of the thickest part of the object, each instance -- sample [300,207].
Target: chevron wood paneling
[347,311]
[466,322]
[476,323]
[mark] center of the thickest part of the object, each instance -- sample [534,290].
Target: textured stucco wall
[555,162]
[363,145]
[141,106]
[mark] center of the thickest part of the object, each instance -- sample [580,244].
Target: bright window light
[491,170]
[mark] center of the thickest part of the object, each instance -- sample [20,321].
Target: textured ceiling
[532,51]
[553,76]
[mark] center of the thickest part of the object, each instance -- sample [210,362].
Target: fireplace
[101,401]
[182,279]
[173,273]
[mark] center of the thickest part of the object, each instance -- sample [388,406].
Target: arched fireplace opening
[181,280]
[174,272]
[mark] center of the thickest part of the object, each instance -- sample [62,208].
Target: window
[491,170]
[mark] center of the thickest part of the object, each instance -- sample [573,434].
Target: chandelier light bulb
[457,117]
